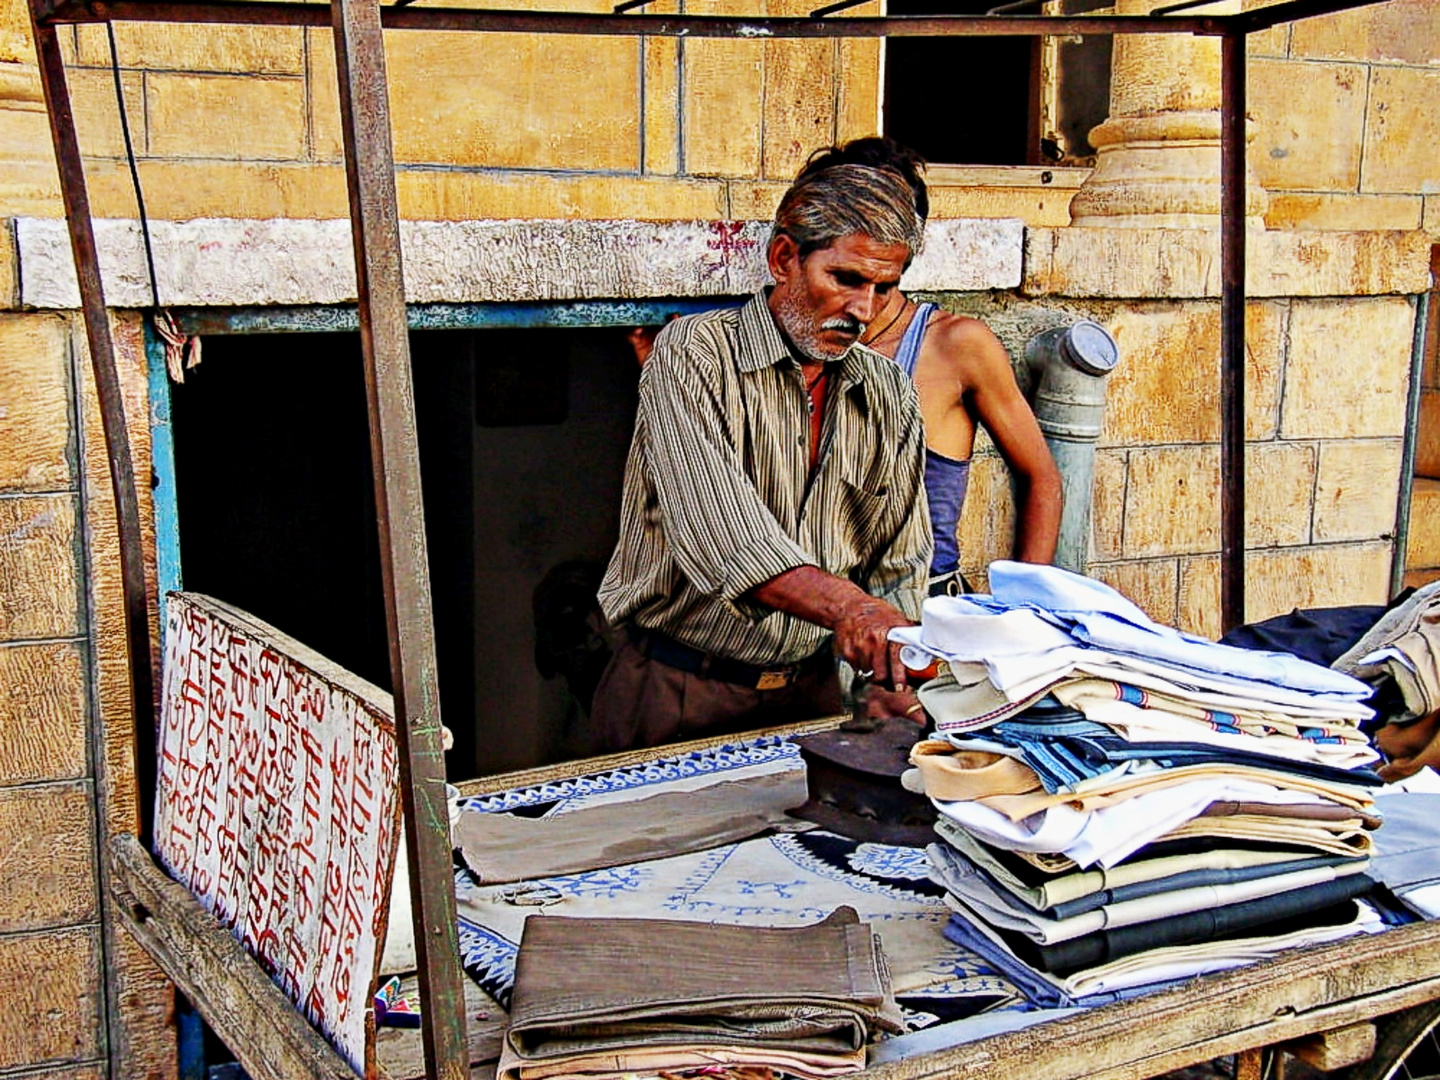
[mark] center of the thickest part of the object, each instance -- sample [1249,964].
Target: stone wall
[85,997]
[1329,336]
[1347,116]
[243,121]
[496,125]
[240,122]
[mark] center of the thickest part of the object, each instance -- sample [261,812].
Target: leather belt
[666,650]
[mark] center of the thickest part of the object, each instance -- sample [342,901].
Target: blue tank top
[945,478]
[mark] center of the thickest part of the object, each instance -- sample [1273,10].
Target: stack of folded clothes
[1123,805]
[646,997]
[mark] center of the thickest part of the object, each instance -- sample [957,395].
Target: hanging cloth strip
[182,350]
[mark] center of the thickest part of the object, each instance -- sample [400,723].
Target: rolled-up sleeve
[723,537]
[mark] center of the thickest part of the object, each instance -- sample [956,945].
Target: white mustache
[849,326]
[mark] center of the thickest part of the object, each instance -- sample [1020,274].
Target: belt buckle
[774,680]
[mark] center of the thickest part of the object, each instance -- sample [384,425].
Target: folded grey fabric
[1407,850]
[665,992]
[967,884]
[1412,631]
[1063,893]
[499,848]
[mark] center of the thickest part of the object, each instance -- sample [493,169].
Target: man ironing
[771,515]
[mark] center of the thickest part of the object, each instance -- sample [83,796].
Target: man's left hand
[882,704]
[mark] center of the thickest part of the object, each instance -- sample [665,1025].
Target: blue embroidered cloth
[787,879]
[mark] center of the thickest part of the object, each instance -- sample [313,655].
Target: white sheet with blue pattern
[774,880]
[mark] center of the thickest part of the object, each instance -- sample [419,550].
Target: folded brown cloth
[596,996]
[1331,812]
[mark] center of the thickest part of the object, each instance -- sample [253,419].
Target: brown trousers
[641,702]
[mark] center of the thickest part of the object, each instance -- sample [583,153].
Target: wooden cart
[1312,992]
[1364,1000]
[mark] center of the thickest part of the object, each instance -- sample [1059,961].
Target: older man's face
[824,300]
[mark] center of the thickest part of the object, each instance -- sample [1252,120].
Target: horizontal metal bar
[1295,10]
[821,12]
[341,319]
[606,24]
[1168,9]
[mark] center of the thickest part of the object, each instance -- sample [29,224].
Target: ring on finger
[867,674]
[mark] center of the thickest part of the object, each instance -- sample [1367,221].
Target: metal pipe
[1425,314]
[112,417]
[1263,18]
[1071,363]
[1232,330]
[394,450]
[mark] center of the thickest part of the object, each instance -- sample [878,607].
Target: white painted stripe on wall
[223,262]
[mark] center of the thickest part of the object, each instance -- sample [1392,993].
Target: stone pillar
[29,184]
[1158,163]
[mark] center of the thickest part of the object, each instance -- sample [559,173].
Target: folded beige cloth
[653,1062]
[1331,837]
[1105,792]
[499,848]
[948,773]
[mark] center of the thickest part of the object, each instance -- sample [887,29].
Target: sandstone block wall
[66,766]
[1326,390]
[243,122]
[1347,113]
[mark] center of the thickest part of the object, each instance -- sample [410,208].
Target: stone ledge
[217,262]
[1185,263]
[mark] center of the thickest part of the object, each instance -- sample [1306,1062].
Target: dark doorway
[277,513]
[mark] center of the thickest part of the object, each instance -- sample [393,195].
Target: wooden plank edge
[1335,1048]
[1299,993]
[1284,1029]
[277,640]
[570,770]
[249,1013]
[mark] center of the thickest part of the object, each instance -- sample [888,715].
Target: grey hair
[844,200]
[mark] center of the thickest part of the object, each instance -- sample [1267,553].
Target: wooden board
[249,1012]
[278,807]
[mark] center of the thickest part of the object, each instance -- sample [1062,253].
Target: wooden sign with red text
[278,806]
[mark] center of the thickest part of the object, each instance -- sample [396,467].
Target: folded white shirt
[1110,834]
[1097,614]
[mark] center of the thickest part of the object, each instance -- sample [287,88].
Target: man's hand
[882,704]
[860,621]
[1409,747]
[862,637]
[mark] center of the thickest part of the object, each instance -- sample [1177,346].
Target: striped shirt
[719,497]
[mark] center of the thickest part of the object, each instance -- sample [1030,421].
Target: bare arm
[996,402]
[860,621]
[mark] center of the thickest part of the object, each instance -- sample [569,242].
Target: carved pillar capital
[1158,155]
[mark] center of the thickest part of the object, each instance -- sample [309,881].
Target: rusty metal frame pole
[389,391]
[112,412]
[1232,329]
[412,17]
